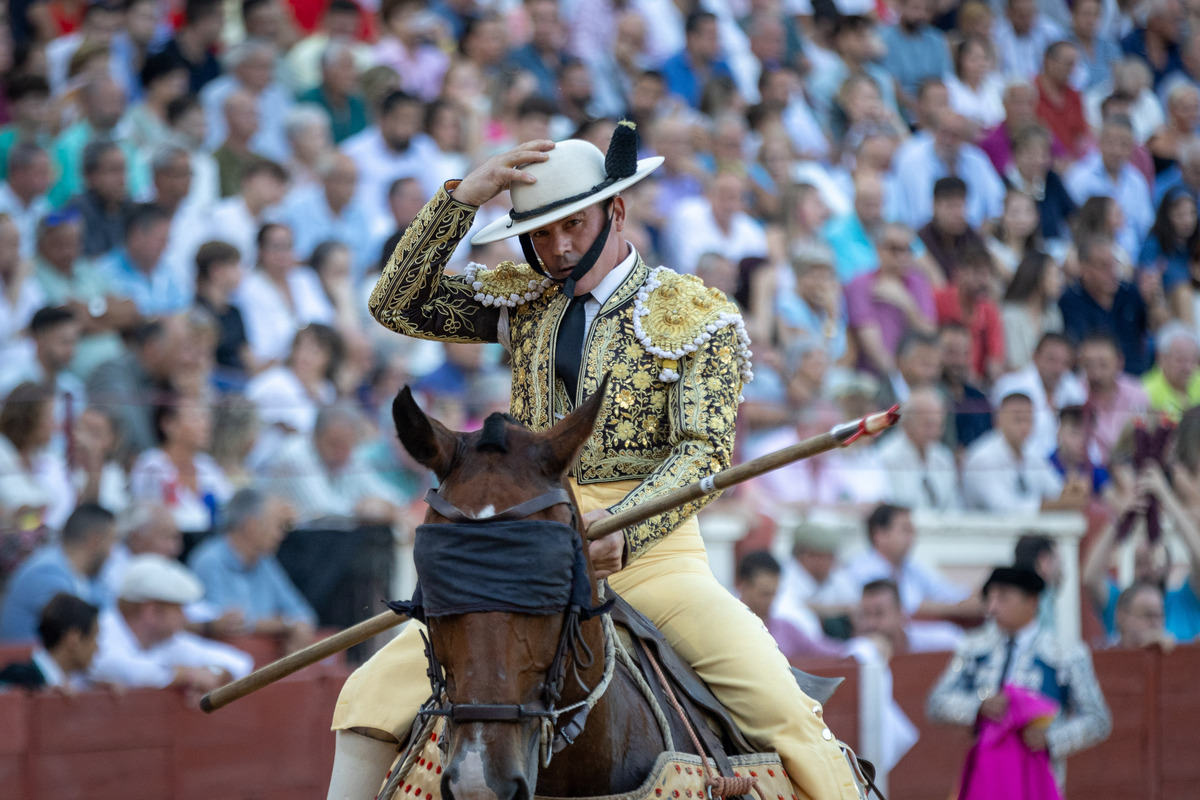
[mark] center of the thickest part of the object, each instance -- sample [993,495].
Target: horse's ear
[428,441]
[563,441]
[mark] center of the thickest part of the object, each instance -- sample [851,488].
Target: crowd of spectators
[985,212]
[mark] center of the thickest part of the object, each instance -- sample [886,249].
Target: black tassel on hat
[620,161]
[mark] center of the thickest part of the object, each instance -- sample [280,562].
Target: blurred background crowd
[984,211]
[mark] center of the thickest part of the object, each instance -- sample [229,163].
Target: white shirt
[1069,392]
[121,658]
[25,217]
[693,231]
[271,323]
[984,105]
[1088,178]
[231,221]
[798,588]
[45,484]
[927,483]
[296,473]
[273,105]
[919,167]
[1020,57]
[379,166]
[995,479]
[916,583]
[156,479]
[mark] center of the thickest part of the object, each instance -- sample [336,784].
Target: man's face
[1011,608]
[241,116]
[160,535]
[924,420]
[100,544]
[951,133]
[703,42]
[727,195]
[1021,14]
[33,179]
[1084,17]
[78,648]
[147,245]
[895,250]
[1033,158]
[1014,418]
[264,21]
[921,365]
[400,125]
[915,12]
[107,180]
[933,100]
[817,563]
[758,593]
[341,74]
[1098,273]
[1116,146]
[105,105]
[895,541]
[1101,364]
[956,355]
[561,244]
[950,214]
[1058,68]
[868,202]
[161,621]
[1072,443]
[545,28]
[406,202]
[56,346]
[62,245]
[1020,106]
[340,182]
[174,181]
[256,70]
[879,613]
[266,532]
[335,444]
[141,20]
[1142,622]
[1179,363]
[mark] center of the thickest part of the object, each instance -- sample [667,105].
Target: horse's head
[494,624]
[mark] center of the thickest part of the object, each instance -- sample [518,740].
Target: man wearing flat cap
[142,641]
[585,305]
[1013,649]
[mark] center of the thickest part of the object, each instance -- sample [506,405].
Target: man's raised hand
[497,173]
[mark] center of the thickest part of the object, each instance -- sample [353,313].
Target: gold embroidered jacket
[676,352]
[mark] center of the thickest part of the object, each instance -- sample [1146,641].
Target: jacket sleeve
[1086,720]
[955,698]
[415,297]
[702,409]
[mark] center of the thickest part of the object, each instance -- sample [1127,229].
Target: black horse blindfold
[517,566]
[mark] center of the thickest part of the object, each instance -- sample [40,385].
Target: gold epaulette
[676,314]
[506,284]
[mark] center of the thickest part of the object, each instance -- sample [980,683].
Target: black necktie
[1010,646]
[568,352]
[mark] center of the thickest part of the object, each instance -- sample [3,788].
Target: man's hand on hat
[496,174]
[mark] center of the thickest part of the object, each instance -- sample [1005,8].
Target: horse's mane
[494,436]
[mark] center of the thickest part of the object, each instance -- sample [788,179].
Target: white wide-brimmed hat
[154,578]
[573,177]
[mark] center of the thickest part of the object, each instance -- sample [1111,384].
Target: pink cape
[999,765]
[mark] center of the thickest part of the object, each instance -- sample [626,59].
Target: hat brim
[505,227]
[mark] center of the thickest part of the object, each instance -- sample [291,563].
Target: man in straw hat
[585,305]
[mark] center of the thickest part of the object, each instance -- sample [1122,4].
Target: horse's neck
[620,741]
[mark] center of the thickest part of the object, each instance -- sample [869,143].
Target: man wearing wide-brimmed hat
[583,306]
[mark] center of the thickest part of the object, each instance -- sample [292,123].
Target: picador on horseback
[585,306]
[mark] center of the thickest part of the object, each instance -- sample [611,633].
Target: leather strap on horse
[718,785]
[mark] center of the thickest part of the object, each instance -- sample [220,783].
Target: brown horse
[497,663]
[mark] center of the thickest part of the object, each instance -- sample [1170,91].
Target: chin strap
[581,268]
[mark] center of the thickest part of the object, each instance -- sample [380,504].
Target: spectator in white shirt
[251,66]
[1108,173]
[715,223]
[238,220]
[1049,383]
[321,475]
[1001,475]
[880,617]
[143,642]
[280,296]
[922,473]
[392,148]
[23,194]
[809,586]
[1022,37]
[891,534]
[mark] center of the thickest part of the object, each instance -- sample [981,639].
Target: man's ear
[618,213]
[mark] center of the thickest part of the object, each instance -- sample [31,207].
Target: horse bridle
[570,642]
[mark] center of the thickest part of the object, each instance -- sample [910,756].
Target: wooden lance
[840,436]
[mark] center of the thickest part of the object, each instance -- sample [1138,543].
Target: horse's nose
[454,788]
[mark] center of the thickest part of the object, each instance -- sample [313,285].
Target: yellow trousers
[723,641]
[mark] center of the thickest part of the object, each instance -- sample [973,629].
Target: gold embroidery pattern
[663,434]
[414,297]
[508,284]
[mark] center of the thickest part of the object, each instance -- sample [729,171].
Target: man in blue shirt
[137,270]
[70,566]
[1100,302]
[698,62]
[916,51]
[240,572]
